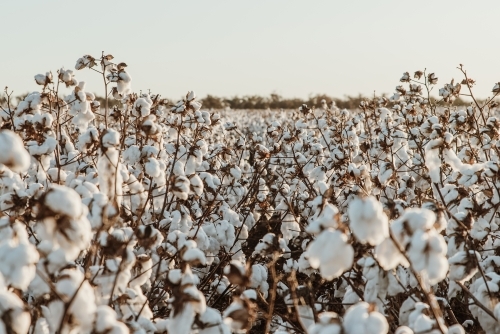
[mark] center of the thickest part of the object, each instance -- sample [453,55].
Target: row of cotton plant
[160,217]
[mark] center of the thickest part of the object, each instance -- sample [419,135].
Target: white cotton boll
[181,187]
[427,253]
[463,266]
[105,318]
[211,322]
[368,221]
[66,223]
[457,329]
[325,219]
[110,138]
[18,258]
[191,165]
[41,327]
[194,255]
[174,276]
[193,303]
[267,245]
[423,324]
[142,107]
[41,79]
[329,323]
[132,154]
[258,279]
[57,175]
[405,310]
[83,307]
[12,152]
[331,253]
[124,83]
[235,172]
[433,162]
[152,167]
[403,330]
[110,179]
[14,316]
[360,318]
[290,227]
[47,147]
[196,184]
[65,201]
[179,168]
[389,256]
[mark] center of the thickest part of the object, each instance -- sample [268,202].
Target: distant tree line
[275,101]
[256,102]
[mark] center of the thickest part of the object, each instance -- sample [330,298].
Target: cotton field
[153,217]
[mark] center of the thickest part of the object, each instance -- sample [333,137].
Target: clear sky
[235,47]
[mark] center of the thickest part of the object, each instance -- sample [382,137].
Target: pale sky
[235,47]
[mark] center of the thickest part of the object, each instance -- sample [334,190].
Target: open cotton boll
[325,219]
[290,227]
[210,322]
[83,308]
[331,253]
[106,321]
[403,330]
[14,317]
[64,220]
[368,221]
[329,323]
[361,318]
[18,258]
[12,152]
[187,303]
[427,254]
[110,138]
[142,107]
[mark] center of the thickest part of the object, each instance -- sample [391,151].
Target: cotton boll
[329,323]
[456,329]
[368,221]
[188,303]
[325,219]
[106,320]
[463,266]
[331,253]
[427,253]
[152,167]
[389,256]
[83,307]
[181,187]
[241,313]
[14,316]
[361,318]
[403,330]
[211,322]
[108,167]
[64,220]
[290,227]
[110,138]
[196,185]
[258,279]
[18,258]
[193,255]
[12,152]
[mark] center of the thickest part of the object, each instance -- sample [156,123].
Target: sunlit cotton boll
[427,254]
[362,318]
[368,221]
[12,152]
[331,253]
